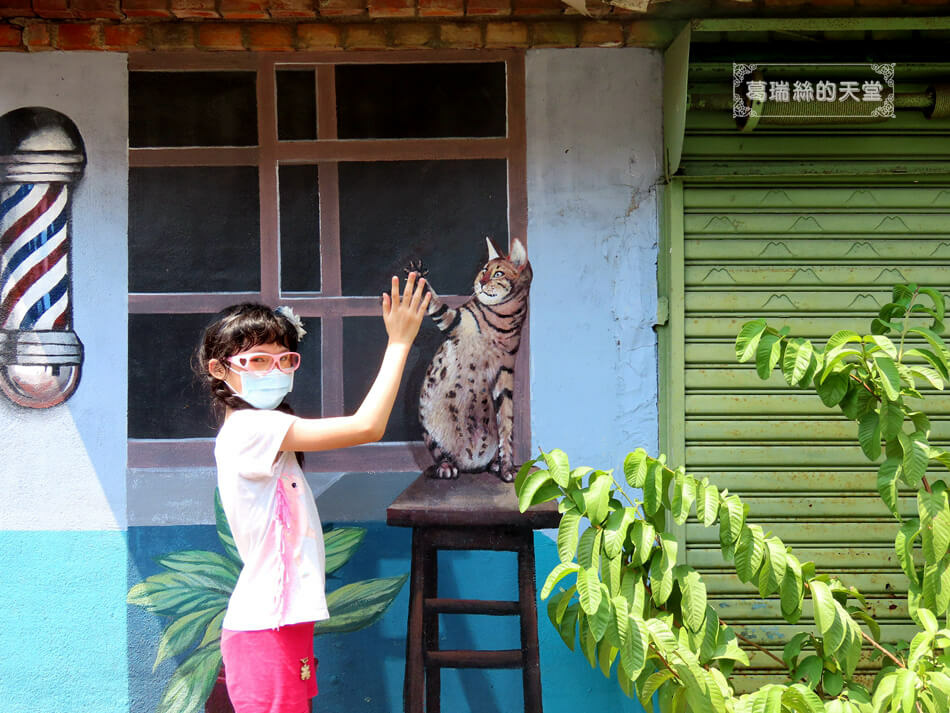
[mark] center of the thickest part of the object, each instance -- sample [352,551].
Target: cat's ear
[492,250]
[519,256]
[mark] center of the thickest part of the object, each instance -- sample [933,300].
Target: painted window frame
[327,151]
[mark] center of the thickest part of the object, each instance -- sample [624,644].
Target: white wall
[594,124]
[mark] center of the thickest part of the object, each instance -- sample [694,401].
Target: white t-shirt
[260,487]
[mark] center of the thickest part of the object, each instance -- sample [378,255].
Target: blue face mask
[267,391]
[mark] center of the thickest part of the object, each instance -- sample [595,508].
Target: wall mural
[466,405]
[41,157]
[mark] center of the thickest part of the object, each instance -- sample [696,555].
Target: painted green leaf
[191,683]
[748,339]
[767,355]
[869,435]
[360,604]
[684,494]
[213,630]
[750,549]
[556,575]
[177,593]
[693,596]
[340,544]
[796,361]
[203,562]
[558,466]
[182,633]
[635,468]
[567,535]
[224,530]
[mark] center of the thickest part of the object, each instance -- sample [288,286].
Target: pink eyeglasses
[263,363]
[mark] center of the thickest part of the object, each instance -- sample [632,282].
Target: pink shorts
[270,671]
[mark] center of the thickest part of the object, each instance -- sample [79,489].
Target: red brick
[467,36]
[270,37]
[243,9]
[537,7]
[193,8]
[171,36]
[124,37]
[36,36]
[365,37]
[649,33]
[11,36]
[17,8]
[318,35]
[391,8]
[506,34]
[441,8]
[554,34]
[74,36]
[219,36]
[414,35]
[291,9]
[601,34]
[488,7]
[97,9]
[332,8]
[53,9]
[146,8]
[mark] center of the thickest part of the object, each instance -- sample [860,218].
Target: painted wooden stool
[476,512]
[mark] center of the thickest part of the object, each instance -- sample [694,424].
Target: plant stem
[750,642]
[665,662]
[620,490]
[926,483]
[866,387]
[880,648]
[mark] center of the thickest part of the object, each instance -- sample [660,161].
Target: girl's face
[230,372]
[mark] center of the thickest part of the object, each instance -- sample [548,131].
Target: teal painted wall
[63,622]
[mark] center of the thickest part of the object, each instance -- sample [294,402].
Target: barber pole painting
[41,157]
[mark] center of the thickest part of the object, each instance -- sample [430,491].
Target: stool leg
[529,625]
[413,683]
[431,627]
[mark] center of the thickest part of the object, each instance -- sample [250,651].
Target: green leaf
[905,690]
[653,490]
[693,596]
[869,435]
[661,569]
[652,684]
[938,301]
[359,605]
[615,530]
[792,590]
[890,379]
[773,567]
[796,361]
[842,336]
[567,628]
[707,508]
[793,649]
[532,487]
[936,343]
[767,355]
[748,339]
[211,564]
[832,682]
[597,497]
[178,593]
[915,457]
[191,683]
[887,475]
[931,375]
[224,530]
[600,620]
[802,699]
[588,549]
[340,545]
[768,699]
[635,640]
[684,494]
[567,533]
[940,365]
[750,550]
[182,633]
[588,590]
[661,636]
[892,419]
[606,655]
[642,536]
[920,646]
[588,642]
[558,467]
[824,606]
[635,468]
[833,389]
[731,519]
[523,473]
[556,575]
[904,547]
[885,344]
[809,669]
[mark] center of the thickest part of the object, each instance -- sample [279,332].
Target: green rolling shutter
[807,226]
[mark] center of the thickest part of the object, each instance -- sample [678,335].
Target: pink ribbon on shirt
[282,514]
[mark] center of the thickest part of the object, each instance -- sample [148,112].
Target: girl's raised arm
[402,317]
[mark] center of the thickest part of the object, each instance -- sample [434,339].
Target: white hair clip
[294,319]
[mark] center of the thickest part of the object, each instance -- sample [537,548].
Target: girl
[248,357]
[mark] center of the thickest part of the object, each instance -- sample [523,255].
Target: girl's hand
[402,316]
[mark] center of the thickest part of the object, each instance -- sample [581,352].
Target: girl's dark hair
[234,330]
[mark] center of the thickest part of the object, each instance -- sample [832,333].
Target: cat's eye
[498,273]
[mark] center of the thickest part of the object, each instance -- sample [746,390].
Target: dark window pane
[364,341]
[405,101]
[306,396]
[165,398]
[192,109]
[194,229]
[436,211]
[299,229]
[296,105]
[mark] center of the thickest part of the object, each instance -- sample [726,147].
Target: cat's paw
[446,470]
[507,473]
[416,266]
